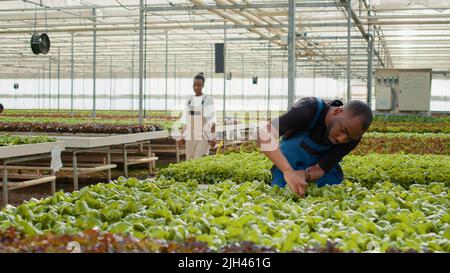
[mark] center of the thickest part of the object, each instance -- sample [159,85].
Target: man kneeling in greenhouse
[315,137]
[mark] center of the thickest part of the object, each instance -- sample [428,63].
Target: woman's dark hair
[200,77]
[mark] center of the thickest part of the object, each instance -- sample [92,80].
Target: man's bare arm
[268,139]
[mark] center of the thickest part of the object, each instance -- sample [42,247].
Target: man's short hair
[361,109]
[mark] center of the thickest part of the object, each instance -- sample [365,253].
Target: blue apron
[302,152]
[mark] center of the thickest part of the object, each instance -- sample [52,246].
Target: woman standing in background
[199,121]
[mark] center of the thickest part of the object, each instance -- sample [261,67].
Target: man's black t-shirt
[300,117]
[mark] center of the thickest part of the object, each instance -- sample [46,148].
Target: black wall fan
[40,43]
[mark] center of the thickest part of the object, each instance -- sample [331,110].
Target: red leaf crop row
[94,241]
[409,127]
[60,127]
[383,143]
[392,143]
[86,116]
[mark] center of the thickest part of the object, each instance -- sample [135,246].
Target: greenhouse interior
[226,126]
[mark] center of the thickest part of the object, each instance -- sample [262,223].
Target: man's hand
[296,181]
[212,142]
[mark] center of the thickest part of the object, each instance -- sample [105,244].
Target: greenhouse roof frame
[405,36]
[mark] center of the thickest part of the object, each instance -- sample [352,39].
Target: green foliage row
[403,169]
[238,167]
[349,215]
[8,140]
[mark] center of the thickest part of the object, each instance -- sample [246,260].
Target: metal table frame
[24,153]
[77,145]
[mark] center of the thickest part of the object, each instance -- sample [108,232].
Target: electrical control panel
[403,90]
